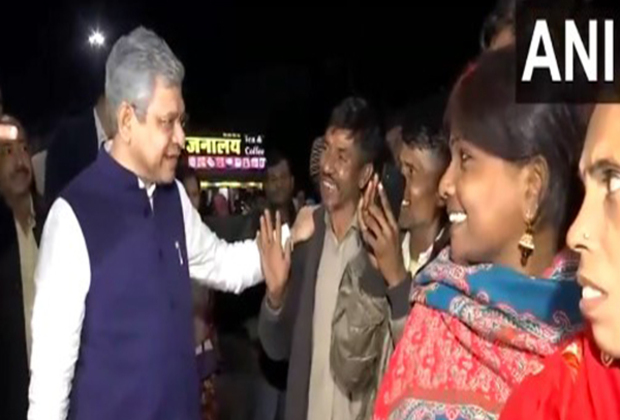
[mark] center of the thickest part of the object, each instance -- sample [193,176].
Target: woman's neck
[540,260]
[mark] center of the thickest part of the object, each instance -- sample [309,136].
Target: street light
[96,39]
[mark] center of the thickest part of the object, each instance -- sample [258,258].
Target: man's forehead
[168,98]
[279,167]
[603,136]
[340,136]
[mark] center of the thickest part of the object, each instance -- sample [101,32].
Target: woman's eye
[612,180]
[464,159]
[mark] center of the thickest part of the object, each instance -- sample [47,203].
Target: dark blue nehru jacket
[136,359]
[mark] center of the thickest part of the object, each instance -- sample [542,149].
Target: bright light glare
[96,39]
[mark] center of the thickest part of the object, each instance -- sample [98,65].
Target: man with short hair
[21,222]
[112,322]
[280,185]
[423,159]
[296,317]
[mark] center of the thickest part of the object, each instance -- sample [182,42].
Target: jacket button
[160,254]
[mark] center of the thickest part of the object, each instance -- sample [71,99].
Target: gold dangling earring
[526,244]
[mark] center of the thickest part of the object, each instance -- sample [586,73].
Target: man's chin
[166,178]
[21,191]
[405,224]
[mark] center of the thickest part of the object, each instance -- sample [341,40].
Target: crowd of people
[488,291]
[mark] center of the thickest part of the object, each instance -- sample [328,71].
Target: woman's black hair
[483,110]
[503,16]
[507,13]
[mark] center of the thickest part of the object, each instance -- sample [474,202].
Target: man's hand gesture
[275,261]
[381,234]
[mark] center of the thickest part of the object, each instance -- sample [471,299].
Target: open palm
[275,260]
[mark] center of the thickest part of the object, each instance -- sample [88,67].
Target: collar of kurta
[414,265]
[32,217]
[352,228]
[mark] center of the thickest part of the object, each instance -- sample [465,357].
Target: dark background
[275,70]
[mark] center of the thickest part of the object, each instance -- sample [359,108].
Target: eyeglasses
[166,124]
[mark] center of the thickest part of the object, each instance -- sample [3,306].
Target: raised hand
[380,232]
[275,261]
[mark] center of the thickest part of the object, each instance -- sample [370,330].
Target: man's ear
[125,117]
[367,172]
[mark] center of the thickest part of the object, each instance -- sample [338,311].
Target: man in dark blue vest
[112,322]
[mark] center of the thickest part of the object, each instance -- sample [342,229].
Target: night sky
[276,71]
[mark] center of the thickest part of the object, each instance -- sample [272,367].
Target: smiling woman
[513,174]
[503,296]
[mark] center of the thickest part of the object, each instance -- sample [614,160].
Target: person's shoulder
[303,249]
[319,215]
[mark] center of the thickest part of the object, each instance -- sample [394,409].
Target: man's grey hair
[136,60]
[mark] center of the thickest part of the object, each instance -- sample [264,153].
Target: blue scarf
[497,302]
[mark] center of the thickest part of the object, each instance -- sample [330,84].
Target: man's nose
[22,158]
[178,136]
[327,166]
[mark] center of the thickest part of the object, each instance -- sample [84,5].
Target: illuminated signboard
[226,152]
[231,159]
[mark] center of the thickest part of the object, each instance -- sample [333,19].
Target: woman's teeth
[457,217]
[589,292]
